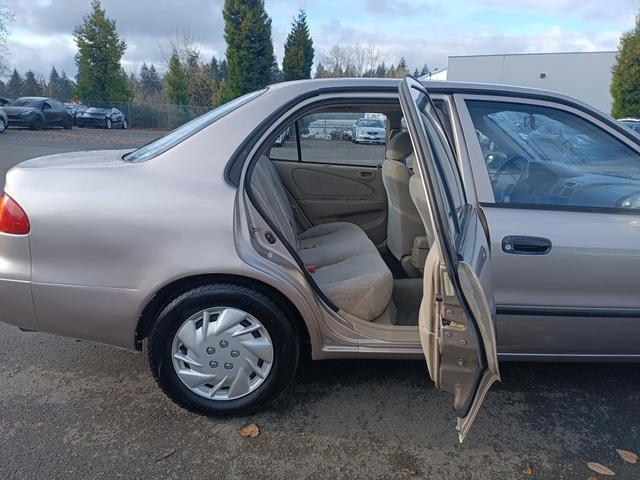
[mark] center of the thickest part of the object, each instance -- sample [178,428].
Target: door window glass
[545,156]
[335,137]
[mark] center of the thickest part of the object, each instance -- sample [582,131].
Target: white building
[583,75]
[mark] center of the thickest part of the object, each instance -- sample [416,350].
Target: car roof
[433,86]
[35,98]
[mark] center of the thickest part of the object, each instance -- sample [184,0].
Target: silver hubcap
[222,353]
[2,126]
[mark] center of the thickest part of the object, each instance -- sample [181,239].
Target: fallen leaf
[592,477]
[628,456]
[406,472]
[527,470]
[250,431]
[600,469]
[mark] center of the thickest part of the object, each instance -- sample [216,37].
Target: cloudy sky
[423,31]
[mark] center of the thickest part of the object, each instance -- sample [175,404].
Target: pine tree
[175,82]
[54,83]
[298,50]
[249,55]
[401,70]
[3,89]
[625,85]
[321,72]
[14,87]
[100,51]
[30,86]
[425,71]
[224,70]
[150,81]
[66,87]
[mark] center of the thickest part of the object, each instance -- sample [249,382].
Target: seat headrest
[399,147]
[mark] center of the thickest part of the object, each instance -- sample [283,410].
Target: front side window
[336,137]
[544,156]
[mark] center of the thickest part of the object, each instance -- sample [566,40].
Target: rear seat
[342,260]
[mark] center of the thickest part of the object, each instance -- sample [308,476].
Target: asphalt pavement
[72,410]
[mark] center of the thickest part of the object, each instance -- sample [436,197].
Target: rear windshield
[370,123]
[183,132]
[27,102]
[98,110]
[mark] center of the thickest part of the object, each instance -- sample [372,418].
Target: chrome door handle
[524,245]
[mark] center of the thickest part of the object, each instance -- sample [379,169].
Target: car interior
[351,212]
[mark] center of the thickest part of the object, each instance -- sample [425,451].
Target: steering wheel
[508,177]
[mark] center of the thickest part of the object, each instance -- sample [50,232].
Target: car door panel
[338,193]
[552,304]
[581,297]
[456,321]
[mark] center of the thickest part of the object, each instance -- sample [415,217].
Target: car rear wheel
[37,123]
[223,349]
[108,124]
[68,123]
[3,126]
[125,125]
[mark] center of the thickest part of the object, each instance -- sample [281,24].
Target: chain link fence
[160,116]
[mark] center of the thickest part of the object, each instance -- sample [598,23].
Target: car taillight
[13,220]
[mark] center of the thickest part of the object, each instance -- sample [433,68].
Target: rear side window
[183,132]
[335,137]
[545,156]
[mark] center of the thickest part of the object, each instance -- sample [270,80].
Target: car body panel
[130,229]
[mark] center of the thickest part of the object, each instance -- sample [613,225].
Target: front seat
[404,223]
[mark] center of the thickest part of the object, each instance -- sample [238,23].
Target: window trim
[484,190]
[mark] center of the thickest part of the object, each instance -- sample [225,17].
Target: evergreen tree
[416,73]
[30,86]
[14,87]
[100,51]
[199,84]
[298,50]
[625,84]
[401,70]
[54,83]
[425,71]
[321,72]
[150,81]
[3,89]
[224,71]
[250,55]
[66,88]
[175,82]
[381,70]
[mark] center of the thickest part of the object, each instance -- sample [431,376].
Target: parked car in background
[102,118]
[75,109]
[632,123]
[5,101]
[4,121]
[38,113]
[369,130]
[259,259]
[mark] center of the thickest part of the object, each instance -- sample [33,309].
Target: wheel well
[166,293]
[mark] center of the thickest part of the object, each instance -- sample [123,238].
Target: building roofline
[527,53]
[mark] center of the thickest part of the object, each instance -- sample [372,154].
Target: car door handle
[523,245]
[364,175]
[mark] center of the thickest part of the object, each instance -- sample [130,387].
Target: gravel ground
[75,410]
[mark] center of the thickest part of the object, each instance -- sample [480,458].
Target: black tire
[3,125]
[108,124]
[68,123]
[286,347]
[125,124]
[37,123]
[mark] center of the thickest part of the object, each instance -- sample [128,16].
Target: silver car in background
[504,224]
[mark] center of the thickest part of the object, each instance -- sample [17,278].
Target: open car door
[457,315]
